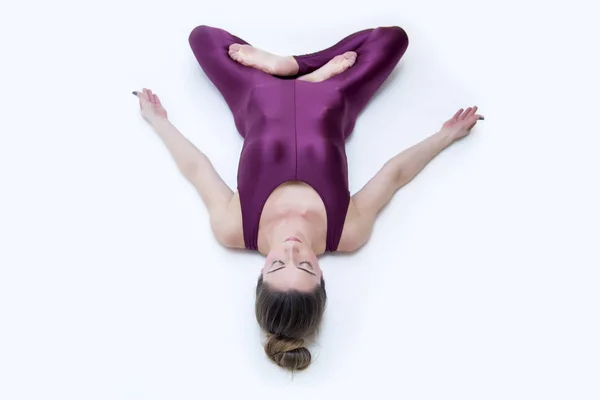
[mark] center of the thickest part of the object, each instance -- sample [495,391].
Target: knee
[200,33]
[396,37]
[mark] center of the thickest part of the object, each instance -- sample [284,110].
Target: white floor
[480,282]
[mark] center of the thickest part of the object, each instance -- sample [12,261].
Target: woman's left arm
[396,173]
[198,170]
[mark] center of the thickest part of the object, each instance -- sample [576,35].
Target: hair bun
[288,353]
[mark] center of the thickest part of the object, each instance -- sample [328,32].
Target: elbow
[398,175]
[189,169]
[193,166]
[401,180]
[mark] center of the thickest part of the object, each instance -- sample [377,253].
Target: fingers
[455,116]
[146,94]
[465,115]
[151,97]
[462,114]
[142,97]
[472,121]
[472,112]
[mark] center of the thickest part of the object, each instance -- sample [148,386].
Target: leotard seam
[295,133]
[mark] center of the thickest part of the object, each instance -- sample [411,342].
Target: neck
[290,227]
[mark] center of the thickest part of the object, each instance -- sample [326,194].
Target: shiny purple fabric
[295,130]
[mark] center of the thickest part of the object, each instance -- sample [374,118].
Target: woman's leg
[309,63]
[234,80]
[378,51]
[377,56]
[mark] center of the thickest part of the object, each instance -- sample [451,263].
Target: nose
[292,251]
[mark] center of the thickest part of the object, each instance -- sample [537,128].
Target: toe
[234,51]
[350,57]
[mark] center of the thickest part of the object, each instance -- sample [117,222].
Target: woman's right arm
[198,170]
[396,173]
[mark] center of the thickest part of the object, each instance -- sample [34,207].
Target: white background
[480,281]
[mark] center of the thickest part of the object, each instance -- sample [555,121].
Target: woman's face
[292,265]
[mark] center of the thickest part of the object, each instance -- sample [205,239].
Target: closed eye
[306,263]
[306,270]
[309,265]
[274,263]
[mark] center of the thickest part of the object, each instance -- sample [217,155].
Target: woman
[293,202]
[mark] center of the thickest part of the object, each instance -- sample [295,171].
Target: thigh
[211,48]
[311,62]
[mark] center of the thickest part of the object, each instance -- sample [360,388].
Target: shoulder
[226,224]
[357,230]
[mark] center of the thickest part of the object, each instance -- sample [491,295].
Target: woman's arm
[396,173]
[196,168]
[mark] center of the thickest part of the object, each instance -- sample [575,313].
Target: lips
[293,239]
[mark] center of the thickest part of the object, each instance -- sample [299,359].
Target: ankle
[292,61]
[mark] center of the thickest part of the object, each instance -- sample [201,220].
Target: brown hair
[288,318]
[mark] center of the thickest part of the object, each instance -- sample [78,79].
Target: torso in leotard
[293,132]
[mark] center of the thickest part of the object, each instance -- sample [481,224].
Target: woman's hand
[150,106]
[461,123]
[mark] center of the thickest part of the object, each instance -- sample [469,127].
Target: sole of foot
[263,60]
[335,66]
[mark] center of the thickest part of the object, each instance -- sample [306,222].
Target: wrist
[447,138]
[159,122]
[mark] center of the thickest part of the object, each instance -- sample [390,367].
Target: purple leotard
[295,130]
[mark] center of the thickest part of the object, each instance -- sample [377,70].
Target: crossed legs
[288,66]
[357,65]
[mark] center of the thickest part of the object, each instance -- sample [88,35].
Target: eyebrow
[305,270]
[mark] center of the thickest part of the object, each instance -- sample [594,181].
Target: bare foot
[262,60]
[335,66]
